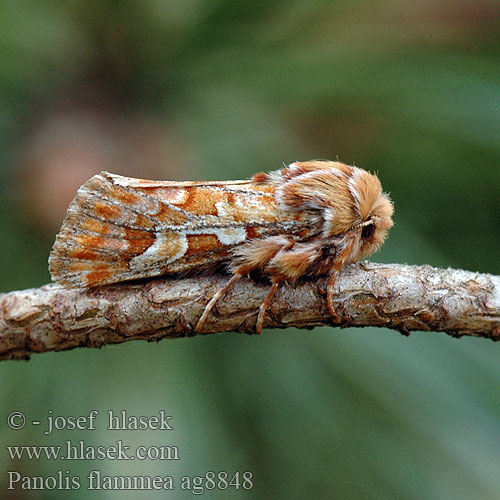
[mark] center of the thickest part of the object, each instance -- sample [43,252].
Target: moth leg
[329,296]
[289,264]
[214,300]
[257,254]
[263,307]
[339,263]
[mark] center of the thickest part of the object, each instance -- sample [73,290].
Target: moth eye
[368,231]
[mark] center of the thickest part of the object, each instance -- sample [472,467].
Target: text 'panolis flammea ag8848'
[307,219]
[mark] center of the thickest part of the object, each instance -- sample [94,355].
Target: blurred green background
[216,89]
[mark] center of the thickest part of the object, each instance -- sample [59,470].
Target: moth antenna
[214,300]
[263,307]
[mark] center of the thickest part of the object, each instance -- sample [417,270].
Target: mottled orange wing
[118,228]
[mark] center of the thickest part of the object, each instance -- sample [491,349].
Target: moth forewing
[305,219]
[119,229]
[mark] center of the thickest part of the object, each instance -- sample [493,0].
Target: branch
[401,297]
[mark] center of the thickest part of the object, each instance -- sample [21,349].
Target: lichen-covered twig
[401,297]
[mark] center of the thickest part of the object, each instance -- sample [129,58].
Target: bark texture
[400,297]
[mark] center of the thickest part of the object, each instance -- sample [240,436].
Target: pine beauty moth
[309,218]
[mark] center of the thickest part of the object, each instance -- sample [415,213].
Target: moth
[307,219]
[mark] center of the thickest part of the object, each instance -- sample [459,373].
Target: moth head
[350,200]
[374,209]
